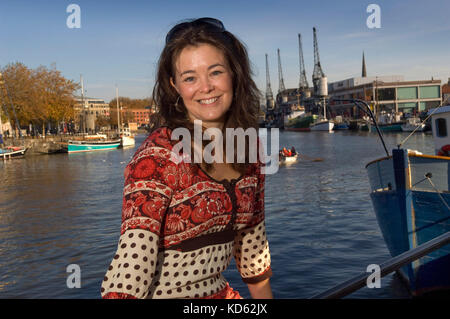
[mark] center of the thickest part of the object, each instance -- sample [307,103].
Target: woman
[182,222]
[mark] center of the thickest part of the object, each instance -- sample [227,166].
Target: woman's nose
[206,85]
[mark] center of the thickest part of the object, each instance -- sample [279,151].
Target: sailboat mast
[118,113]
[83,107]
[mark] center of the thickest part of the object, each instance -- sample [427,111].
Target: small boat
[410,195]
[12,152]
[323,125]
[288,159]
[92,146]
[127,139]
[340,126]
[413,123]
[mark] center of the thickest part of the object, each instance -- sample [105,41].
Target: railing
[386,268]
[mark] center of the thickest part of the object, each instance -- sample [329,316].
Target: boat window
[441,127]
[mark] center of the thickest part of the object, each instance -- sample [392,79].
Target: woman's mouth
[208,101]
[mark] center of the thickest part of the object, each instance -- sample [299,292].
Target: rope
[400,145]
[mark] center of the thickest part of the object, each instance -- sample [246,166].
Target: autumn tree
[39,96]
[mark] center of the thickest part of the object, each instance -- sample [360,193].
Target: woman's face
[204,81]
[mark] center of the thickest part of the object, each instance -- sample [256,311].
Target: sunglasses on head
[206,22]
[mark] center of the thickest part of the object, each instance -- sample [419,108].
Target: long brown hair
[170,110]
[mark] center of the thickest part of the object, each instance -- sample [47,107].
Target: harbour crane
[269,94]
[303,83]
[281,87]
[318,73]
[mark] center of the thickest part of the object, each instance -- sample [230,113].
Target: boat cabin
[440,124]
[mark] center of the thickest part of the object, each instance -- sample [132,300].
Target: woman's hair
[170,110]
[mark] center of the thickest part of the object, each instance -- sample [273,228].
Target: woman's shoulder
[159,138]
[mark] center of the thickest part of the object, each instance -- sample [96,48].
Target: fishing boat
[413,124]
[322,125]
[127,139]
[74,146]
[12,152]
[300,123]
[410,195]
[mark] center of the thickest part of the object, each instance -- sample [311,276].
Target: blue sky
[119,42]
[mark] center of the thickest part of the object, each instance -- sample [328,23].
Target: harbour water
[62,209]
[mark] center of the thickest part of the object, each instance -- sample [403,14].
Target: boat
[413,124]
[124,133]
[340,127]
[410,196]
[388,122]
[127,139]
[300,123]
[288,159]
[12,152]
[74,146]
[322,125]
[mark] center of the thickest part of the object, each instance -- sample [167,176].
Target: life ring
[444,151]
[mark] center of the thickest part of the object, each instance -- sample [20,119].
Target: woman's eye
[217,72]
[189,79]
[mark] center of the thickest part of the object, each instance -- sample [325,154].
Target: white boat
[412,124]
[12,152]
[127,140]
[322,125]
[288,159]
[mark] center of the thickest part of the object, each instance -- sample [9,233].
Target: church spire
[364,72]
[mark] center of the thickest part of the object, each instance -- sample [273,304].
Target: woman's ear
[173,84]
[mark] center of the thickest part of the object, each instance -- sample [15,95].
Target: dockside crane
[303,83]
[318,75]
[281,87]
[269,95]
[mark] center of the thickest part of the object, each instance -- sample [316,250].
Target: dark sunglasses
[206,22]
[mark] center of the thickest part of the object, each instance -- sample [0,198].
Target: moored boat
[92,146]
[413,124]
[12,152]
[410,195]
[322,125]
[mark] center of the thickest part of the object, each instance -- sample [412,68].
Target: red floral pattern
[178,202]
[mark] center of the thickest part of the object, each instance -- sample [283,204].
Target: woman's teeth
[209,101]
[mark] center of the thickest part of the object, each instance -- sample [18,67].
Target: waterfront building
[390,94]
[446,93]
[141,116]
[87,111]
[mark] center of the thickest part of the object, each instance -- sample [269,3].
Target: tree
[39,96]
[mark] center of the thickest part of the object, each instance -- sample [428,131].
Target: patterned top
[180,228]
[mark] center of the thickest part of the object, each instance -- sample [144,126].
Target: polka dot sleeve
[251,248]
[146,197]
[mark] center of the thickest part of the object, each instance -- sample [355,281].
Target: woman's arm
[261,290]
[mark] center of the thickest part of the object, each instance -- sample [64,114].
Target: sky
[119,42]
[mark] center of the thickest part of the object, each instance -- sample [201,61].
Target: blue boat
[410,195]
[92,146]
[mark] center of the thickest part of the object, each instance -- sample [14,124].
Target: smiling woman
[183,222]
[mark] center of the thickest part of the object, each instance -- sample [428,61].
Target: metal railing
[386,268]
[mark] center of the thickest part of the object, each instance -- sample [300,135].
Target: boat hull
[411,212]
[127,141]
[91,147]
[322,126]
[12,153]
